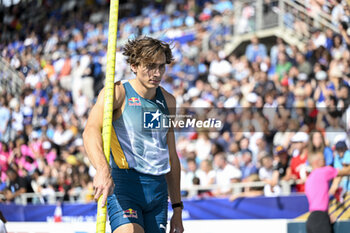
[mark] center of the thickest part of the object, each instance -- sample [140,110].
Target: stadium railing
[321,19]
[10,79]
[236,188]
[84,196]
[278,18]
[52,198]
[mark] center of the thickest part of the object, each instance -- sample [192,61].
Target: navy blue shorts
[138,198]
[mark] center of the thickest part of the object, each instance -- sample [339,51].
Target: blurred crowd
[282,102]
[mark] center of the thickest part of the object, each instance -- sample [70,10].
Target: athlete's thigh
[155,221]
[129,228]
[124,212]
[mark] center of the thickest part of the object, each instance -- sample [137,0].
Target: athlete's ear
[133,68]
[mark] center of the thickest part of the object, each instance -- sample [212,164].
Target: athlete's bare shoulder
[169,98]
[118,86]
[119,94]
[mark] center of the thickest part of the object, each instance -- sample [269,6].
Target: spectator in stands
[342,160]
[334,129]
[304,66]
[202,147]
[282,170]
[303,84]
[282,136]
[81,105]
[283,66]
[206,174]
[191,173]
[245,23]
[255,50]
[247,168]
[37,186]
[318,38]
[266,173]
[337,12]
[49,153]
[16,185]
[278,47]
[317,144]
[301,26]
[206,177]
[338,46]
[298,162]
[226,174]
[4,157]
[322,88]
[5,117]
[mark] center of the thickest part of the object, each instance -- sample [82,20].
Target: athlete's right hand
[103,184]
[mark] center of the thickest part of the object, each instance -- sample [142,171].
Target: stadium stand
[224,58]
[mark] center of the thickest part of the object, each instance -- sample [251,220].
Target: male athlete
[144,162]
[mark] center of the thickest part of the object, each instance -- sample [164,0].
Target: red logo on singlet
[133,101]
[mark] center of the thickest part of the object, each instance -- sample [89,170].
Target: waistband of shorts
[131,173]
[319,212]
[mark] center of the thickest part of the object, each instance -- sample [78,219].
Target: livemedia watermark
[247,120]
[155,119]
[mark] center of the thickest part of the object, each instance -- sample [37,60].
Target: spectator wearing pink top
[316,190]
[4,156]
[49,153]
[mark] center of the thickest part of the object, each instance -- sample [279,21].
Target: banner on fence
[284,207]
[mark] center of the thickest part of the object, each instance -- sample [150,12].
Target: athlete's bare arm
[173,177]
[92,136]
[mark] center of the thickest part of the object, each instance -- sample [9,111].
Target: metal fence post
[286,188]
[259,15]
[281,13]
[237,14]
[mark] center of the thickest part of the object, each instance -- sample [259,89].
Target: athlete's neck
[142,90]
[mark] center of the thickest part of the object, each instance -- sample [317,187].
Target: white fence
[198,226]
[79,197]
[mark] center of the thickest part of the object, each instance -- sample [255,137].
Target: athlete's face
[151,74]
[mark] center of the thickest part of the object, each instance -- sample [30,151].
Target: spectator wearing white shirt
[270,106]
[219,67]
[339,48]
[266,175]
[318,38]
[191,172]
[17,121]
[337,12]
[226,174]
[203,146]
[206,174]
[4,117]
[32,79]
[81,104]
[266,170]
[61,135]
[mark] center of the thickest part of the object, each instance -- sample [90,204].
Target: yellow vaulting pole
[108,102]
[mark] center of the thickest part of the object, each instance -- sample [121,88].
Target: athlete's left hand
[176,221]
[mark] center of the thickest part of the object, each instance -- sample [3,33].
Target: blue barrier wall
[286,207]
